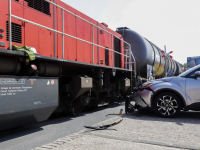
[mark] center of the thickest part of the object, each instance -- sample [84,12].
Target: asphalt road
[142,128]
[57,127]
[138,130]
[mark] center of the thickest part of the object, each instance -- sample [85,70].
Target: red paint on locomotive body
[42,39]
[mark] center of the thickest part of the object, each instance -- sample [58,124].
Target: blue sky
[174,23]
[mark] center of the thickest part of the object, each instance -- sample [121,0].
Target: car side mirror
[197,74]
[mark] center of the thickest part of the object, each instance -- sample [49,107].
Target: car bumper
[143,98]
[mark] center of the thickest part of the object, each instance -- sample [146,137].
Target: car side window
[192,75]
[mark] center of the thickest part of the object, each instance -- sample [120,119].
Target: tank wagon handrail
[65,34]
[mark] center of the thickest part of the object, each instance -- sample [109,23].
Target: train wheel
[77,106]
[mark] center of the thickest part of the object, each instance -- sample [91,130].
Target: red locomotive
[79,62]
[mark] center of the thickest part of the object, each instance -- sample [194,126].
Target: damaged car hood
[158,81]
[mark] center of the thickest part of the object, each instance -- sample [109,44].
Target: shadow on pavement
[191,117]
[54,119]
[18,132]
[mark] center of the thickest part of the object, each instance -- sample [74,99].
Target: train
[78,62]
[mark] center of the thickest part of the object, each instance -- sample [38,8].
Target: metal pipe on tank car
[10,24]
[63,36]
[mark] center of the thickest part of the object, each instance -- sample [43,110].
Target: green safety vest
[25,49]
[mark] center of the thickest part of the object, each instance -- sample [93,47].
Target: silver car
[167,96]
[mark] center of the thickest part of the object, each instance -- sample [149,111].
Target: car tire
[167,104]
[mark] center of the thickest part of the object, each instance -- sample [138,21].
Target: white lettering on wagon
[12,81]
[8,91]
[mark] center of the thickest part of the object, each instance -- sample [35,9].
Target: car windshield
[189,71]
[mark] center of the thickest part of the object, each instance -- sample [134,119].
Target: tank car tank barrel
[148,55]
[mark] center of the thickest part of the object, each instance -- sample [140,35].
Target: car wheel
[167,104]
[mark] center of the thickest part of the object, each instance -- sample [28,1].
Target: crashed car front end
[144,94]
[143,98]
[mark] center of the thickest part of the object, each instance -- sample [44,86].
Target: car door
[193,87]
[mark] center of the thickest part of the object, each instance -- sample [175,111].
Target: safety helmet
[33,50]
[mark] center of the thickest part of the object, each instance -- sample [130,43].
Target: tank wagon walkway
[137,131]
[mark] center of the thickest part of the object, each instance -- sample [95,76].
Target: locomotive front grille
[16,32]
